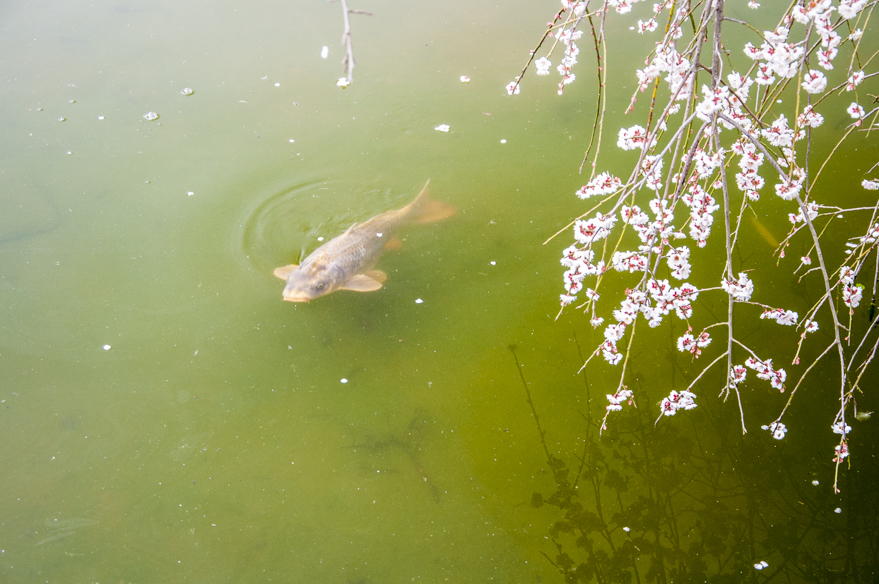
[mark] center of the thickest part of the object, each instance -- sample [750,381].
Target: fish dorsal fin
[349,229]
[393,243]
[430,211]
[284,271]
[361,283]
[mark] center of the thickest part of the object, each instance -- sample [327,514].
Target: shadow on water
[27,214]
[410,443]
[673,504]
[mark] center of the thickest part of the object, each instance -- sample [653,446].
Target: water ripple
[283,225]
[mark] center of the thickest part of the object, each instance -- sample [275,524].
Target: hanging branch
[348,62]
[682,165]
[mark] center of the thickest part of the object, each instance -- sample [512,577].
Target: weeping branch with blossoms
[704,152]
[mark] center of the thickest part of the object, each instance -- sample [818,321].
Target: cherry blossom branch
[549,28]
[601,73]
[686,166]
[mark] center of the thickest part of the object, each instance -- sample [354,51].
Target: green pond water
[165,417]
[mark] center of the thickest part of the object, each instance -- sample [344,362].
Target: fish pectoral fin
[393,243]
[362,283]
[377,275]
[284,271]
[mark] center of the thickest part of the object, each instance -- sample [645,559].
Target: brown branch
[348,62]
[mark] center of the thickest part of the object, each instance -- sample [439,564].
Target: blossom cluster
[690,344]
[677,401]
[740,289]
[776,377]
[634,138]
[702,207]
[568,38]
[777,429]
[661,301]
[748,181]
[852,293]
[603,184]
[737,376]
[616,400]
[841,427]
[781,316]
[872,235]
[811,212]
[591,230]
[777,57]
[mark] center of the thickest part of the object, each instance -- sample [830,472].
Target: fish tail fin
[427,211]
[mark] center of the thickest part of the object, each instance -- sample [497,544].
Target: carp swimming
[346,261]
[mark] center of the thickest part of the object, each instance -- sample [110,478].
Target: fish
[346,262]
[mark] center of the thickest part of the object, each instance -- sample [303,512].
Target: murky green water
[213,440]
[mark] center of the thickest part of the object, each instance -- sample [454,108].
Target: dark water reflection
[693,500]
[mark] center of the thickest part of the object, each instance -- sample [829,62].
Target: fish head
[304,284]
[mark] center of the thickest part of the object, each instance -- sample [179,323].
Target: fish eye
[320,286]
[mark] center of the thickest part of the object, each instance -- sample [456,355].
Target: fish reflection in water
[346,261]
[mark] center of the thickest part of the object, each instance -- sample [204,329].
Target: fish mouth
[296,297]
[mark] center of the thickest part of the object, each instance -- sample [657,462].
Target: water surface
[166,417]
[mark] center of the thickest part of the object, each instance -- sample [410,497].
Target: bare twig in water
[348,62]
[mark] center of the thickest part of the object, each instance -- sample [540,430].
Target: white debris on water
[107,347]
[324,52]
[150,116]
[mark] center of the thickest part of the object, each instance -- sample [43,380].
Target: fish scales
[346,261]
